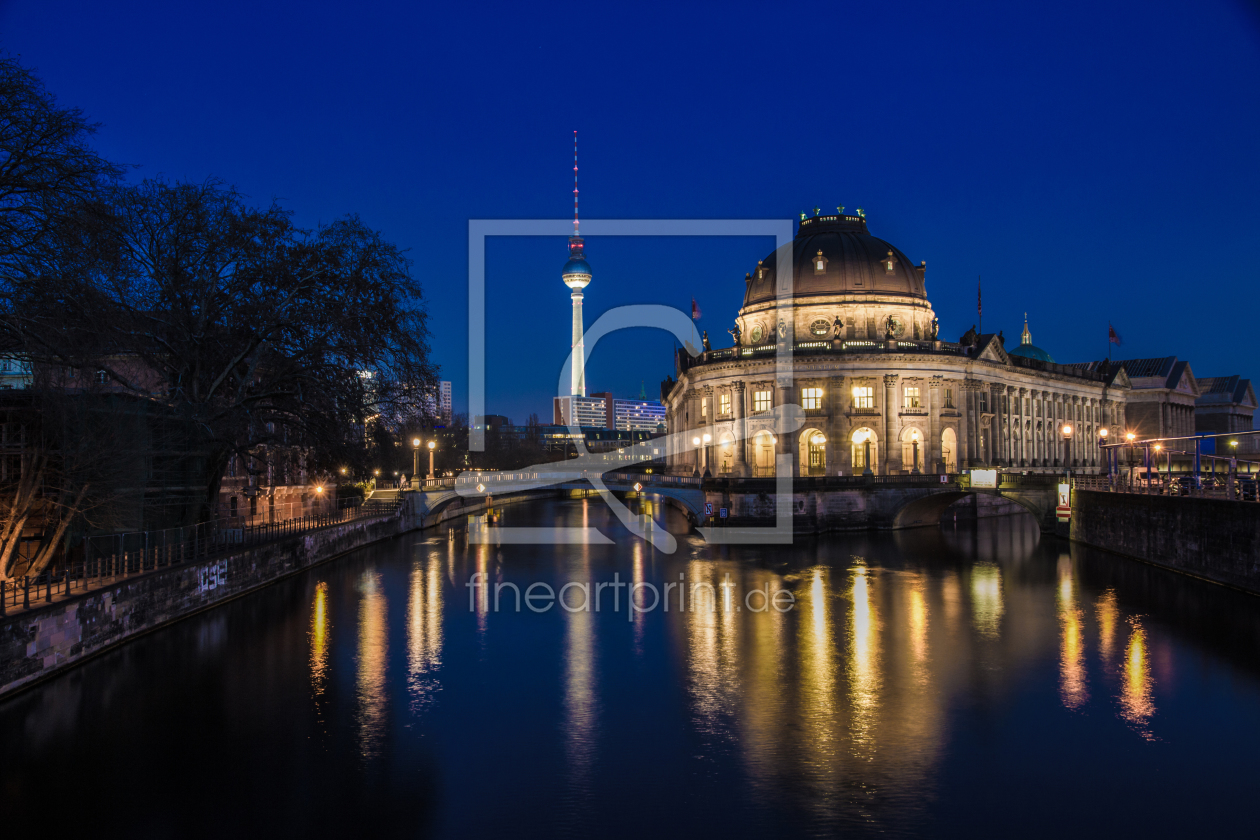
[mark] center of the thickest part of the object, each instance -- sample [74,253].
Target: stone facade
[851,338]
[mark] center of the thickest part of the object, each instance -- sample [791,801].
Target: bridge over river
[758,509]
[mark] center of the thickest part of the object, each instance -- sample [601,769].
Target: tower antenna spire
[575,186]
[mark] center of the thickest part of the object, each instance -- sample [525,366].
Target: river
[975,680]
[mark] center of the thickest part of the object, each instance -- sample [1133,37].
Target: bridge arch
[926,511]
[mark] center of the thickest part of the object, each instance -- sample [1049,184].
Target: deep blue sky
[1094,161]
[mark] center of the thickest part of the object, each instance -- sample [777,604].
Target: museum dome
[836,255]
[1027,349]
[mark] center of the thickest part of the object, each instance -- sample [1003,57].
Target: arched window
[763,454]
[949,450]
[913,450]
[813,449]
[865,451]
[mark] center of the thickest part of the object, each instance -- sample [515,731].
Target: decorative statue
[837,324]
[734,331]
[934,330]
[890,322]
[704,337]
[969,337]
[1001,338]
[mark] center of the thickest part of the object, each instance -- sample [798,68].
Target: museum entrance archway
[865,451]
[763,454]
[813,452]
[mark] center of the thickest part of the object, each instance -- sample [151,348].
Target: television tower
[576,274]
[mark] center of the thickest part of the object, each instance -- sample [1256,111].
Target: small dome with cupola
[1027,349]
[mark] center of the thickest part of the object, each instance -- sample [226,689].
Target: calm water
[978,681]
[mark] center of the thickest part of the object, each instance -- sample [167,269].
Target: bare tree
[46,165]
[259,333]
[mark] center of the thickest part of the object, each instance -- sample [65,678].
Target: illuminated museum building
[878,389]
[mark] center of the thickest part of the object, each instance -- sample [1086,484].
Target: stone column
[971,422]
[890,422]
[837,442]
[738,413]
[1001,429]
[935,461]
[784,395]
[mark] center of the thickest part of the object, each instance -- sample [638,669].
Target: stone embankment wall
[39,642]
[1210,538]
[45,640]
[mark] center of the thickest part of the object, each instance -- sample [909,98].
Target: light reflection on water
[907,662]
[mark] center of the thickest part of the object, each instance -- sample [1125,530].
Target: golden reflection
[1137,704]
[986,599]
[636,553]
[373,656]
[918,622]
[1108,613]
[424,629]
[319,640]
[580,712]
[1073,688]
[863,666]
[712,637]
[483,591]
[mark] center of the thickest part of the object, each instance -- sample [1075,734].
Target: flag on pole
[1112,336]
[979,304]
[695,310]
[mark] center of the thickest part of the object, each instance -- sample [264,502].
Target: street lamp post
[866,443]
[707,437]
[432,446]
[1102,447]
[914,443]
[415,463]
[1067,449]
[695,441]
[1129,437]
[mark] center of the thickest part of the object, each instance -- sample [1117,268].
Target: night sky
[1094,161]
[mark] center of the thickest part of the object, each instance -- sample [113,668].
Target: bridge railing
[1181,485]
[108,558]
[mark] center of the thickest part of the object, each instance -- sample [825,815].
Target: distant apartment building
[602,411]
[438,403]
[586,412]
[444,402]
[638,416]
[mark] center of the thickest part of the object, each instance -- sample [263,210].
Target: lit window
[704,406]
[725,403]
[761,401]
[811,398]
[863,396]
[912,398]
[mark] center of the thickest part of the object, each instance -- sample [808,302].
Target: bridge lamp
[707,437]
[695,441]
[319,489]
[914,443]
[415,457]
[1067,447]
[432,446]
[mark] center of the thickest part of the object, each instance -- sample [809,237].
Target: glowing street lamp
[695,441]
[432,446]
[1067,448]
[914,442]
[706,437]
[1106,453]
[415,460]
